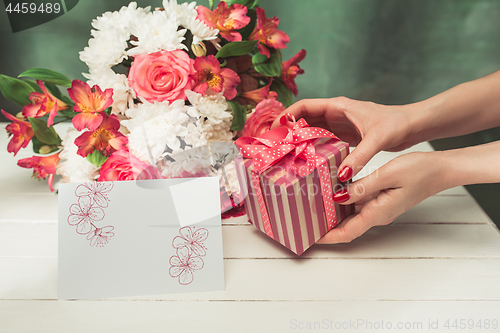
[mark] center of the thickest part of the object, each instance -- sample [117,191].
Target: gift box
[290,175]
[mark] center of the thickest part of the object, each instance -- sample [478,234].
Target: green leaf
[54,90]
[37,144]
[239,116]
[96,158]
[245,32]
[46,135]
[251,4]
[268,66]
[15,90]
[284,94]
[67,113]
[234,49]
[47,76]
[34,86]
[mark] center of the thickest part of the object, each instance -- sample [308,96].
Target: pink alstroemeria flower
[254,97]
[227,20]
[83,214]
[192,240]
[183,265]
[97,191]
[21,132]
[43,103]
[43,166]
[100,236]
[209,75]
[89,103]
[290,70]
[105,138]
[267,33]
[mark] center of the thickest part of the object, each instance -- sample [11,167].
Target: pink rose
[261,120]
[162,76]
[122,165]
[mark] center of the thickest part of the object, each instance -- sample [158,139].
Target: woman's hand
[390,191]
[369,126]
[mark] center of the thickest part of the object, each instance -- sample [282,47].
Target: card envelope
[125,238]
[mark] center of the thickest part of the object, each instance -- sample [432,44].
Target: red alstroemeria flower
[89,102]
[227,20]
[21,132]
[105,138]
[290,70]
[209,75]
[43,166]
[254,97]
[41,104]
[267,33]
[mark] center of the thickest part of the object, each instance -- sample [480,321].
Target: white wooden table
[439,261]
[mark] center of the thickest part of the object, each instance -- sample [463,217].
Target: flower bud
[199,49]
[20,115]
[44,150]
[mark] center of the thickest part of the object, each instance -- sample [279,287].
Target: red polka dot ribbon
[294,137]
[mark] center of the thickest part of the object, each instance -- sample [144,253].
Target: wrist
[422,120]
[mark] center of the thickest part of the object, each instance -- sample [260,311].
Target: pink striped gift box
[294,204]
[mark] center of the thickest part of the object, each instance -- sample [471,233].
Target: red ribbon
[294,137]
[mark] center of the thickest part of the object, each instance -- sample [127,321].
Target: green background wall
[387,51]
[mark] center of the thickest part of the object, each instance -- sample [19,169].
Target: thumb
[359,157]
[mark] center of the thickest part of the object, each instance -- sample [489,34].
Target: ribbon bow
[294,137]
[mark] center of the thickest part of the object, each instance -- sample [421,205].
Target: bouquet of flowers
[162,86]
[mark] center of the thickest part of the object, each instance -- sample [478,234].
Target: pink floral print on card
[190,248]
[91,199]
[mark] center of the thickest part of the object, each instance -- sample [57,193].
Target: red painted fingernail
[341,196]
[345,173]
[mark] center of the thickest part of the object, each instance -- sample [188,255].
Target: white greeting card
[125,238]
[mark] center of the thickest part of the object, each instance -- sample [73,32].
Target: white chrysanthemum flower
[196,137]
[201,31]
[218,132]
[155,33]
[73,168]
[191,161]
[185,15]
[212,107]
[154,127]
[182,13]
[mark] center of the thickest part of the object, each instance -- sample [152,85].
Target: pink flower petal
[200,235]
[186,277]
[175,271]
[195,263]
[179,242]
[175,261]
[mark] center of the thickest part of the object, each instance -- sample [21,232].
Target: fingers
[379,211]
[367,187]
[359,157]
[306,108]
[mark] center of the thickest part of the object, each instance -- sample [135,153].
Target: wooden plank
[21,239]
[192,316]
[445,209]
[306,280]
